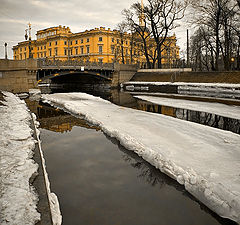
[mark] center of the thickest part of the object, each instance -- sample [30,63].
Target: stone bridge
[52,69]
[19,76]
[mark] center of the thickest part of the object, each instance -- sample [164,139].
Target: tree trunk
[159,58]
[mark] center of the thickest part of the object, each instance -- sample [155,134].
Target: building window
[71,43]
[88,50]
[25,55]
[126,42]
[81,41]
[41,47]
[65,42]
[76,51]
[112,49]
[81,50]
[44,46]
[38,55]
[20,49]
[76,42]
[65,51]
[25,48]
[112,39]
[50,43]
[87,39]
[50,52]
[56,51]
[118,41]
[41,55]
[100,39]
[45,54]
[100,49]
[38,48]
[56,43]
[71,51]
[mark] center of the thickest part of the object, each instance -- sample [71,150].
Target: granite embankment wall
[123,73]
[192,77]
[18,76]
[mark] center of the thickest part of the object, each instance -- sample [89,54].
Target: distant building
[95,45]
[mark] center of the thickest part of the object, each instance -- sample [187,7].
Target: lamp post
[5,50]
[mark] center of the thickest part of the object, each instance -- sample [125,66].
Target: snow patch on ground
[215,108]
[18,200]
[203,159]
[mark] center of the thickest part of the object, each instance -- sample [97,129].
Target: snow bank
[203,159]
[18,200]
[229,111]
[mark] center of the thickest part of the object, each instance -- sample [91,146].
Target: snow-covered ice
[18,200]
[34,94]
[225,85]
[229,111]
[218,90]
[204,159]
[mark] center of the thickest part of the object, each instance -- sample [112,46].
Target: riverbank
[180,149]
[190,77]
[25,196]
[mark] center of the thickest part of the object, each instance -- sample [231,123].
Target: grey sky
[79,15]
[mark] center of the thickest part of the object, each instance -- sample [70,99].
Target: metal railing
[73,64]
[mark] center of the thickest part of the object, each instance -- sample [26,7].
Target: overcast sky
[79,15]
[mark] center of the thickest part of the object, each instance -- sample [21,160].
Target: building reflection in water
[204,118]
[56,120]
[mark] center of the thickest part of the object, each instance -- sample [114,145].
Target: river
[98,182]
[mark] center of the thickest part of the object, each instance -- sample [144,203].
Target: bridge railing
[73,64]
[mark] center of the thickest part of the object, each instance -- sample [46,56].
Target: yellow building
[95,45]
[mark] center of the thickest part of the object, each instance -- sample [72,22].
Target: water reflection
[54,119]
[208,119]
[152,176]
[100,182]
[127,100]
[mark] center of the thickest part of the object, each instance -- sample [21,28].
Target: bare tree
[220,19]
[162,16]
[158,18]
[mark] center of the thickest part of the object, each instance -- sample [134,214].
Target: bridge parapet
[73,64]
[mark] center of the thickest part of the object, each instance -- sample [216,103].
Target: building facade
[95,45]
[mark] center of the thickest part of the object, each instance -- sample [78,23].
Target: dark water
[98,182]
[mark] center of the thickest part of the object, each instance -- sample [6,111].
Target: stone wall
[18,76]
[193,77]
[123,73]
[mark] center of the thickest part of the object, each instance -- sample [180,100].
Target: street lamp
[5,50]
[232,62]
